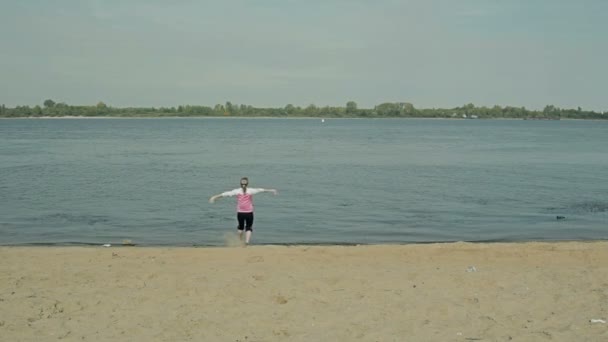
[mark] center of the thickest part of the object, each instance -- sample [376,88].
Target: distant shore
[277,117]
[420,292]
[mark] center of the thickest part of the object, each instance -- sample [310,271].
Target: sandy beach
[433,292]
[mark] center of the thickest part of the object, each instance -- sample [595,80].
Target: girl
[244,206]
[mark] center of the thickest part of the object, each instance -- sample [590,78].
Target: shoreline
[529,291]
[231,242]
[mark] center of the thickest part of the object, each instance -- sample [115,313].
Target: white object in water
[107,245]
[322,120]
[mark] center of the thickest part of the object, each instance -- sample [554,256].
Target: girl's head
[244,182]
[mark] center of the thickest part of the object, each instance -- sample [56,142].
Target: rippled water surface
[96,181]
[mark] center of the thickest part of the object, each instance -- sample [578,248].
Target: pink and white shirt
[244,200]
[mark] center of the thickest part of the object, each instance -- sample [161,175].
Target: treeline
[50,108]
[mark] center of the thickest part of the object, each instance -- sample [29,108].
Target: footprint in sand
[280,299]
[258,277]
[256,258]
[232,240]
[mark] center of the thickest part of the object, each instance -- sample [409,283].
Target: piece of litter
[107,245]
[597,320]
[471,269]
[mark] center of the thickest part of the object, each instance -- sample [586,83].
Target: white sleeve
[230,193]
[254,191]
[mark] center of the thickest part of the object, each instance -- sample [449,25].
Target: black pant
[245,221]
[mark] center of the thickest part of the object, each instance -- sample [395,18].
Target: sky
[270,53]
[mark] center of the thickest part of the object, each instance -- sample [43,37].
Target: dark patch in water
[69,218]
[591,207]
[582,208]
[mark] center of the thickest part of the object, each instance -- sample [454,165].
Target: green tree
[219,110]
[37,111]
[351,107]
[469,108]
[549,109]
[388,109]
[290,109]
[311,110]
[100,108]
[229,108]
[49,103]
[407,108]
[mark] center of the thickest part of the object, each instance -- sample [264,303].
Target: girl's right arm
[224,194]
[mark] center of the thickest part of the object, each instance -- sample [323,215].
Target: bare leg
[240,234]
[247,236]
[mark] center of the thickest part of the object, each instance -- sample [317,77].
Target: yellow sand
[435,292]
